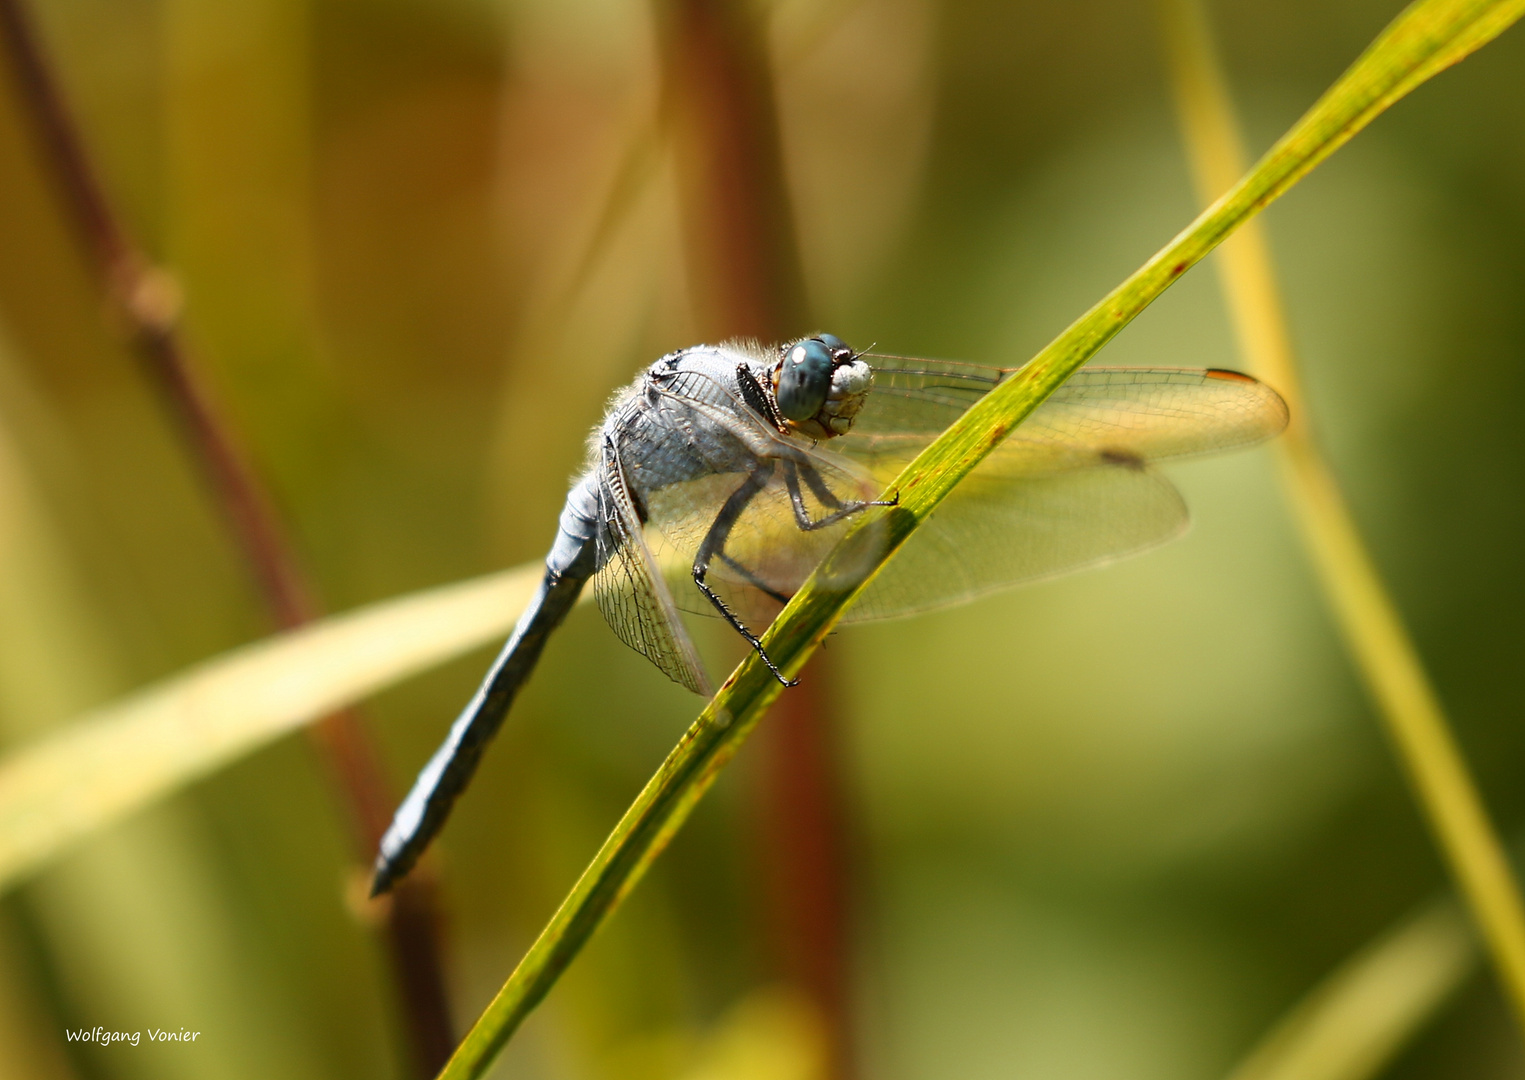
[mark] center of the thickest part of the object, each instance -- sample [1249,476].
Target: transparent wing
[761,557]
[994,532]
[629,588]
[1070,489]
[1143,414]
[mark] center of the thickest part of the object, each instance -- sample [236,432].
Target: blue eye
[805,378]
[834,344]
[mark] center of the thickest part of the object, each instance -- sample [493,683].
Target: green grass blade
[125,755]
[1416,45]
[1357,1019]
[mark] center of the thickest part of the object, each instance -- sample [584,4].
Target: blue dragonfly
[722,475]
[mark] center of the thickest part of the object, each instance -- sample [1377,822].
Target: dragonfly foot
[736,624]
[777,674]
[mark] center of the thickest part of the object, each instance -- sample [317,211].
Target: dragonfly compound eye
[804,379]
[839,349]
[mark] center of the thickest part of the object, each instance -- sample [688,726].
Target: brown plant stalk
[747,281]
[145,297]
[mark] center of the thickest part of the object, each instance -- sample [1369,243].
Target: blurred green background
[1110,826]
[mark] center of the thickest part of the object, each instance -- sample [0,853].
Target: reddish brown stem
[808,853]
[718,95]
[146,298]
[747,280]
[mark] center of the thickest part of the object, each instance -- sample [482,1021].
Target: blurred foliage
[144,746]
[1109,826]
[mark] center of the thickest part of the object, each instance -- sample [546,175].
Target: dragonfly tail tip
[382,879]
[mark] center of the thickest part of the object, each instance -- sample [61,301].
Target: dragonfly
[719,479]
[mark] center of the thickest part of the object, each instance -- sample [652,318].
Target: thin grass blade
[125,755]
[1355,1021]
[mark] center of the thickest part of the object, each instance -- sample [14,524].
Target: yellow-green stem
[1368,619]
[1357,1019]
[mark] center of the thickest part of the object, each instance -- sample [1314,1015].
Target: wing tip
[1283,412]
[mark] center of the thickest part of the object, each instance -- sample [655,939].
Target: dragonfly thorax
[819,385]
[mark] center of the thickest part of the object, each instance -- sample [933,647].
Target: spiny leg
[714,546]
[828,498]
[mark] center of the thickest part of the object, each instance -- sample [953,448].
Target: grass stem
[1369,621]
[1357,1019]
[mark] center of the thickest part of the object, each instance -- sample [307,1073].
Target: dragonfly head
[820,384]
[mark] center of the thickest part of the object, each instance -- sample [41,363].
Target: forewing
[1147,414]
[1068,490]
[912,396]
[1137,414]
[629,588]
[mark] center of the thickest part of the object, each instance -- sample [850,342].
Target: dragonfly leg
[828,498]
[714,547]
[751,578]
